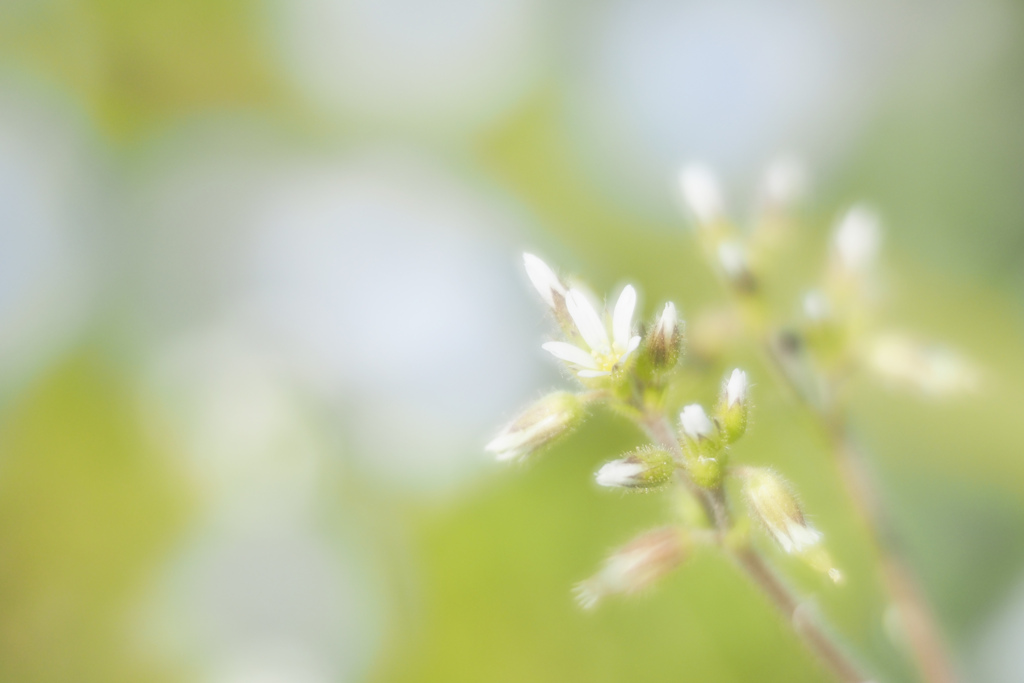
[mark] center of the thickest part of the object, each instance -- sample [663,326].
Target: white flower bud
[736,388]
[539,425]
[634,567]
[645,468]
[696,423]
[664,342]
[702,193]
[858,238]
[733,406]
[771,501]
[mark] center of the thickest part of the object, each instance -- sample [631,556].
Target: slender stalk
[927,647]
[815,637]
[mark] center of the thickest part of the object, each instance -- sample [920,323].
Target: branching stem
[817,638]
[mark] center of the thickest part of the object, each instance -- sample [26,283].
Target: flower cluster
[632,373]
[633,367]
[839,323]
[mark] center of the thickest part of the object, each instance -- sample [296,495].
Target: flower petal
[570,354]
[630,348]
[543,278]
[622,319]
[588,322]
[593,373]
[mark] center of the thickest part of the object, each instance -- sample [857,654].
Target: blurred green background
[260,307]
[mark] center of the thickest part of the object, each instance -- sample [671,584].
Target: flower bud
[732,257]
[540,424]
[665,341]
[702,194]
[770,500]
[643,469]
[857,239]
[634,567]
[696,423]
[733,405]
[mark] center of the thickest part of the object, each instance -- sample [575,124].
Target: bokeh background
[261,306]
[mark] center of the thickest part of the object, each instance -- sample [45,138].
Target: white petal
[588,322]
[570,354]
[543,278]
[667,322]
[622,318]
[631,346]
[736,388]
[619,473]
[695,421]
[802,536]
[593,373]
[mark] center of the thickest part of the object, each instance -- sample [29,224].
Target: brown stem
[754,564]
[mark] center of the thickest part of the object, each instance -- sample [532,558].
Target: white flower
[603,354]
[736,388]
[858,238]
[544,279]
[696,423]
[702,193]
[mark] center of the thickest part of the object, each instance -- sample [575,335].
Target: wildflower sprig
[838,333]
[689,449]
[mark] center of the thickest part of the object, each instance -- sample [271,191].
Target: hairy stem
[817,639]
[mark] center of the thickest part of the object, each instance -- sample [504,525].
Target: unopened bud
[701,193]
[772,502]
[643,469]
[858,238]
[634,567]
[540,424]
[696,423]
[733,406]
[732,257]
[665,341]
